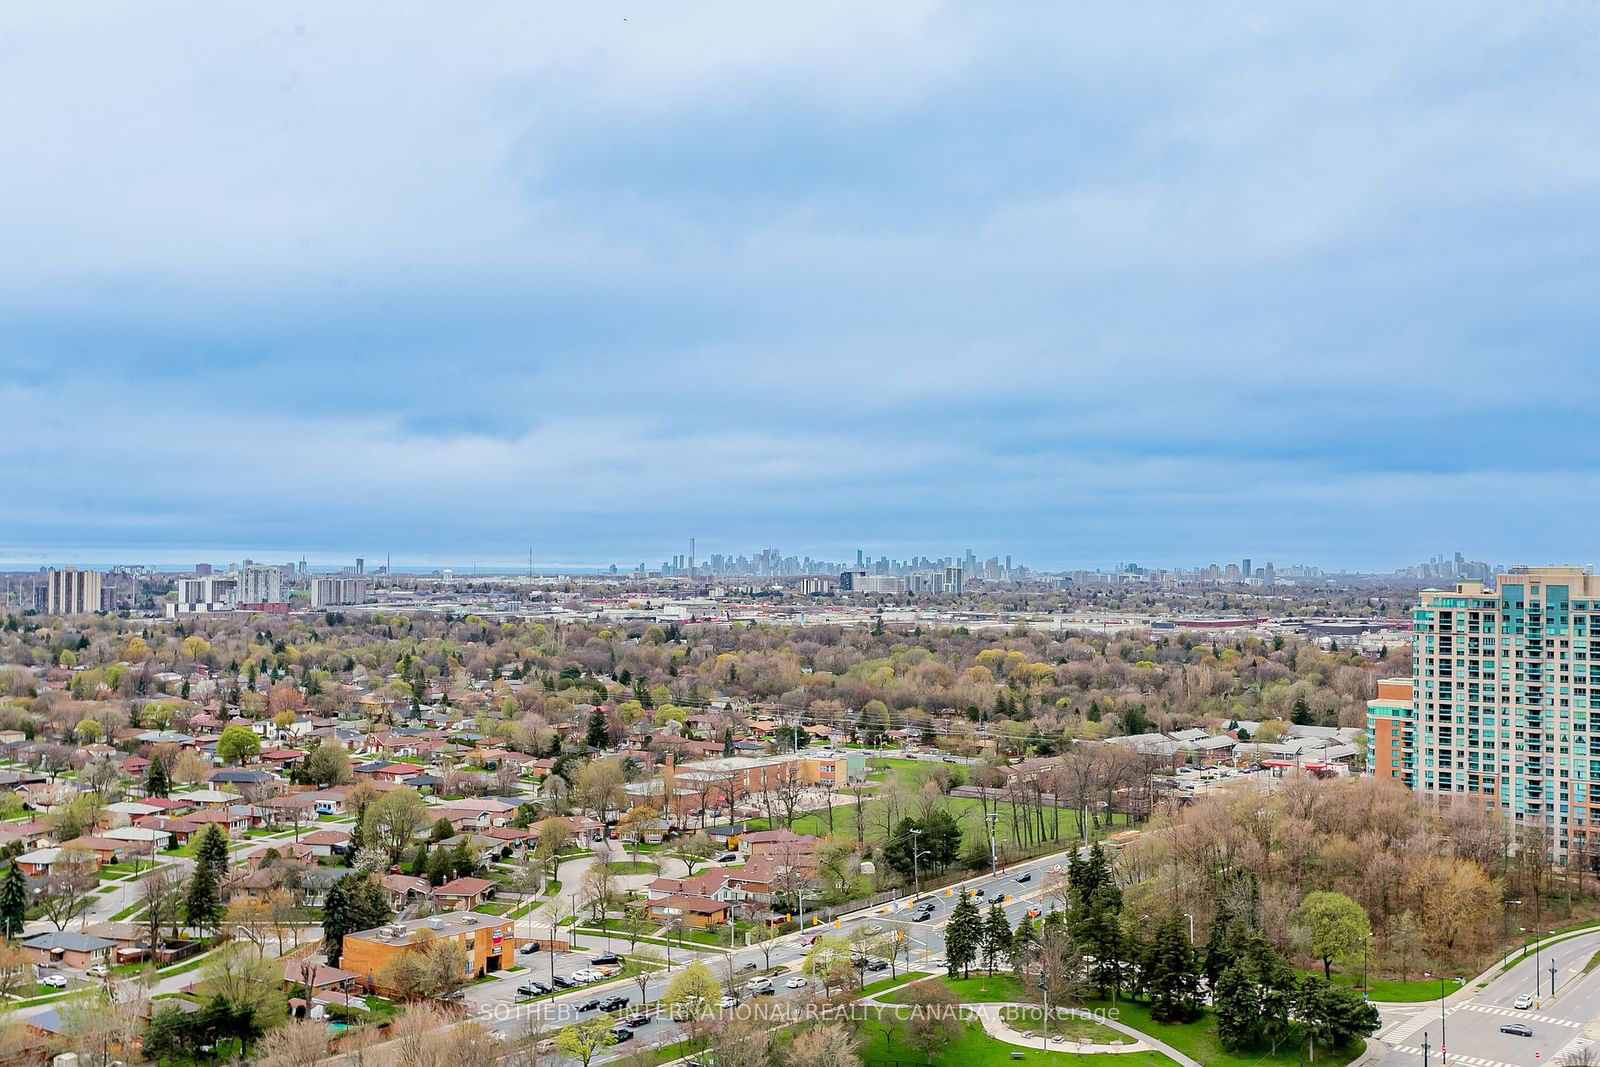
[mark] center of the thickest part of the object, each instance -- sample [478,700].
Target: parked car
[728,1001]
[562,983]
[605,958]
[532,989]
[728,857]
[454,994]
[1525,1001]
[54,981]
[528,949]
[1518,1029]
[98,971]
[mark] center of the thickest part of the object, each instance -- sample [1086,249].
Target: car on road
[637,1018]
[592,1004]
[949,759]
[1033,913]
[766,991]
[978,893]
[621,1033]
[54,981]
[795,982]
[616,1003]
[1517,1029]
[1025,877]
[922,916]
[877,965]
[728,1002]
[759,983]
[750,966]
[1524,1002]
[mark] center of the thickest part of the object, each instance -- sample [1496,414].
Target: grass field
[1199,1040]
[1001,989]
[1065,1022]
[974,1048]
[967,811]
[631,867]
[1393,990]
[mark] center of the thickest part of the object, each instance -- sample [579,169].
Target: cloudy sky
[1080,282]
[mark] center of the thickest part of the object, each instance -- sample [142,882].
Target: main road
[1469,1027]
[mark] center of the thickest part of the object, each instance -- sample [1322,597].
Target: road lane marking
[1515,1013]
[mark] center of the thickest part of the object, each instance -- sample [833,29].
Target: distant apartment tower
[1392,732]
[338,592]
[1504,684]
[1244,568]
[848,580]
[260,584]
[953,580]
[203,595]
[361,566]
[70,591]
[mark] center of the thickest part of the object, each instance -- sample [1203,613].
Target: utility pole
[916,869]
[994,860]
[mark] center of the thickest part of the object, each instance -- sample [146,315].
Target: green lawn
[1199,1040]
[495,907]
[631,867]
[890,983]
[1001,989]
[974,1048]
[1064,1021]
[1393,990]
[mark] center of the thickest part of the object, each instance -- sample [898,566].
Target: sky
[1085,283]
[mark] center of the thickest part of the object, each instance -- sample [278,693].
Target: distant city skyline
[1447,565]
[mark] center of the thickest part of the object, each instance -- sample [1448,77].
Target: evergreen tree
[355,902]
[1172,974]
[212,852]
[200,905]
[1301,714]
[997,936]
[156,782]
[1331,1016]
[596,737]
[963,937]
[13,902]
[357,835]
[727,743]
[439,867]
[419,862]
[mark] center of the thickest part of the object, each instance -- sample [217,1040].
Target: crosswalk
[1523,1016]
[1415,1024]
[1469,1061]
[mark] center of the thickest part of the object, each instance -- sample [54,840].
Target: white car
[796,982]
[54,981]
[97,971]
[586,975]
[757,984]
[1524,1002]
[728,1002]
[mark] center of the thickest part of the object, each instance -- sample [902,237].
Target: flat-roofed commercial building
[488,939]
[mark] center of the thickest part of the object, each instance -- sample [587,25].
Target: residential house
[464,894]
[697,912]
[326,842]
[68,947]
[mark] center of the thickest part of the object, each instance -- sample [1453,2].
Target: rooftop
[438,926]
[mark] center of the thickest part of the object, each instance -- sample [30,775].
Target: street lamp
[916,871]
[1045,1035]
[994,860]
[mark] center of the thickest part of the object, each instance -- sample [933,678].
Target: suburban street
[495,1003]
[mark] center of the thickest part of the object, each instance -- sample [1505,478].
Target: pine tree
[1172,974]
[13,903]
[727,743]
[156,782]
[212,852]
[200,905]
[997,936]
[963,937]
[596,737]
[1301,714]
[419,862]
